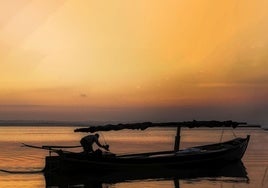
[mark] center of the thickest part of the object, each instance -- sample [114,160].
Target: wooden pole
[177,139]
[176,183]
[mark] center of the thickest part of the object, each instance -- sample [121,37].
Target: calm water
[13,157]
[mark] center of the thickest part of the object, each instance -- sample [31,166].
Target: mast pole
[177,139]
[176,182]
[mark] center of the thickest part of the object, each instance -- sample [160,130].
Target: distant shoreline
[49,123]
[78,123]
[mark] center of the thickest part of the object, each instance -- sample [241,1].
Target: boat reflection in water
[235,172]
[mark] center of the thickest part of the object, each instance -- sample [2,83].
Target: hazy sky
[154,60]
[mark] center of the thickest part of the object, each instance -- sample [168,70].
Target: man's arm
[106,147]
[98,143]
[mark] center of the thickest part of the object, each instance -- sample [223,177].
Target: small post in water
[177,139]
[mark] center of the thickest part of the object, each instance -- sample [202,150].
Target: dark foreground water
[26,162]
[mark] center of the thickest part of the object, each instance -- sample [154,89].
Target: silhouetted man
[88,141]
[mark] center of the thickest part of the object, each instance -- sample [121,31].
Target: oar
[58,151]
[32,146]
[49,147]
[61,146]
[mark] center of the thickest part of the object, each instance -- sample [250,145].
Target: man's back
[90,139]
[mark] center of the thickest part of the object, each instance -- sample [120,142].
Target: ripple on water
[17,158]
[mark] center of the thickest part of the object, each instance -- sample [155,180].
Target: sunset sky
[135,60]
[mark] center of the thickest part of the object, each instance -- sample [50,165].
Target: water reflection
[235,173]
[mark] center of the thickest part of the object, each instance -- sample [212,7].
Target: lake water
[15,158]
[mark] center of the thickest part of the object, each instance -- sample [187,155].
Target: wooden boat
[205,156]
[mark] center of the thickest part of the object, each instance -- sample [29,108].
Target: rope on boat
[234,134]
[262,182]
[221,135]
[222,132]
[103,138]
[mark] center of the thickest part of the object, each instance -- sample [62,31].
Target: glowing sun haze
[134,60]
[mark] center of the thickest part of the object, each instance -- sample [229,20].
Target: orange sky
[133,60]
